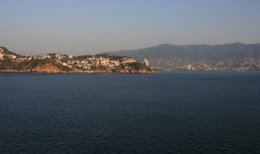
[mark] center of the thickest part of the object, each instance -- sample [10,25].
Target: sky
[80,27]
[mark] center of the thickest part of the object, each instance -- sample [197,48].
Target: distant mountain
[61,63]
[225,57]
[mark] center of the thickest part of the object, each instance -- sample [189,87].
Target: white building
[64,64]
[128,61]
[189,67]
[104,61]
[1,56]
[115,63]
[83,62]
[146,62]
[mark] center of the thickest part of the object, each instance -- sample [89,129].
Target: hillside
[226,57]
[61,63]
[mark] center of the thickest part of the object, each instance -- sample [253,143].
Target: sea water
[113,113]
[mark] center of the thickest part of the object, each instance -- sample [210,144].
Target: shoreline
[81,72]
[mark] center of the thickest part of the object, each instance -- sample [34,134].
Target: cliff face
[49,68]
[61,63]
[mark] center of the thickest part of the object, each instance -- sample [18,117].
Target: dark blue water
[102,113]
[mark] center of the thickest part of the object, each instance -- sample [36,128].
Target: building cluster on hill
[70,63]
[189,64]
[89,62]
[3,53]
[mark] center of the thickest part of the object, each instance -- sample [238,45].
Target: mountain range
[224,57]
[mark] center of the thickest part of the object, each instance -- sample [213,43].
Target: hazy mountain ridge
[225,57]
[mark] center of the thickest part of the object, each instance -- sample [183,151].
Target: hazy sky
[89,26]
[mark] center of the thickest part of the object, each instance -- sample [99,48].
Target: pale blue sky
[90,26]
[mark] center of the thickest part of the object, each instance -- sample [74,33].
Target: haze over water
[111,113]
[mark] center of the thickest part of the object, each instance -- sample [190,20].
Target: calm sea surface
[111,113]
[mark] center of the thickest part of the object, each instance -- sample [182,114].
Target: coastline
[79,72]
